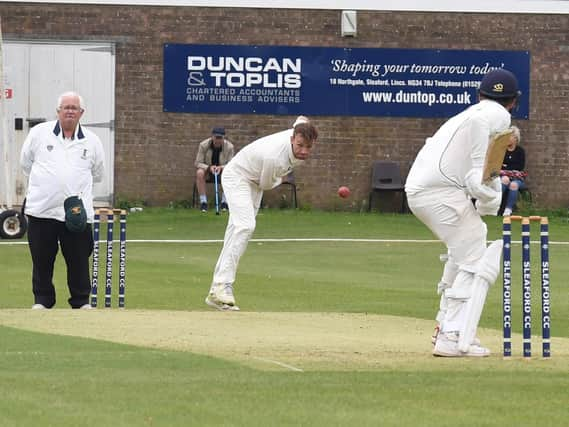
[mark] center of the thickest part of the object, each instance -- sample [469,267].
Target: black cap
[499,83]
[75,215]
[218,132]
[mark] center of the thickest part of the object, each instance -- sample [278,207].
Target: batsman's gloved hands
[486,191]
[490,207]
[496,184]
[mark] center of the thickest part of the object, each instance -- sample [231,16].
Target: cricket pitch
[272,340]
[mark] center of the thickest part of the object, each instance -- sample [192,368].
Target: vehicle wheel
[13,224]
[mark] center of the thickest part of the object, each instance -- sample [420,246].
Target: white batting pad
[488,270]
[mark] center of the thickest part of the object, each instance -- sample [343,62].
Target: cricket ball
[343,192]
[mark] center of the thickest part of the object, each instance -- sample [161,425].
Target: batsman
[458,164]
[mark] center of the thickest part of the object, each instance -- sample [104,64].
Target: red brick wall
[155,151]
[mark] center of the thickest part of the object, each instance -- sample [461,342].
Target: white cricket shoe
[223,293]
[212,302]
[86,307]
[39,307]
[221,297]
[437,331]
[447,346]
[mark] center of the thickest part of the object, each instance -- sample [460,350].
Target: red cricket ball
[343,192]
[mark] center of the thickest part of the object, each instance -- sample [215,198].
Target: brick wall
[155,151]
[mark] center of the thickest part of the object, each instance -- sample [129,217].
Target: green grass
[59,381]
[49,379]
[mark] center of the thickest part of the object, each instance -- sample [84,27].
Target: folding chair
[290,181]
[386,177]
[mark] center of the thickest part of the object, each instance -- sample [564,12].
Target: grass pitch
[331,333]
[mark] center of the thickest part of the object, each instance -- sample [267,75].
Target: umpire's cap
[499,84]
[75,215]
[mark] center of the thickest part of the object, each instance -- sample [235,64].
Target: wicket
[526,284]
[109,214]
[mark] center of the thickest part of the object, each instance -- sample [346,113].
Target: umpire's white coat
[59,168]
[437,194]
[259,166]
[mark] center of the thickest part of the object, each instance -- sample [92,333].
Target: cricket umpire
[62,160]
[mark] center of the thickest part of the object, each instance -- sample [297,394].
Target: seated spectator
[512,173]
[213,155]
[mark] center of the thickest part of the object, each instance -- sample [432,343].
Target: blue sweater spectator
[513,174]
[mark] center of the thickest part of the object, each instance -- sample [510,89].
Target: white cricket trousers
[451,216]
[244,200]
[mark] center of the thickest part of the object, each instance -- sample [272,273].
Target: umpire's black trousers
[44,238]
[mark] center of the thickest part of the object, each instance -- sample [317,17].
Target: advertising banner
[332,81]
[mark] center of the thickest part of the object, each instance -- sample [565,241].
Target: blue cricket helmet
[499,84]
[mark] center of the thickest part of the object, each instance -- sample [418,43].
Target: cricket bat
[495,154]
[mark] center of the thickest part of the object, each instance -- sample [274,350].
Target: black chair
[525,194]
[386,177]
[290,181]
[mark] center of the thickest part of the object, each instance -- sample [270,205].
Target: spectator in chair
[213,154]
[512,173]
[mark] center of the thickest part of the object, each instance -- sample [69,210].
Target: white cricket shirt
[265,161]
[458,146]
[58,168]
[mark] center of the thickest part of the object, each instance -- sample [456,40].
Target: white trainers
[507,212]
[447,346]
[39,307]
[224,293]
[221,297]
[86,307]
[437,331]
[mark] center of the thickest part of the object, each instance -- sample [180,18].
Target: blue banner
[332,81]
